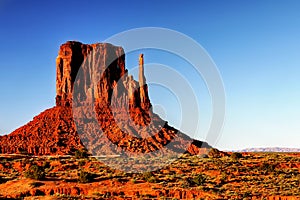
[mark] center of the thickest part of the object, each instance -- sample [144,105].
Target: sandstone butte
[54,132]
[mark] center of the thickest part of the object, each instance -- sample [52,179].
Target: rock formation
[72,55]
[94,76]
[145,102]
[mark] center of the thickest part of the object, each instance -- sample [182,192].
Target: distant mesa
[54,132]
[270,149]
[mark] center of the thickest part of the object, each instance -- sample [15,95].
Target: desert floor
[213,175]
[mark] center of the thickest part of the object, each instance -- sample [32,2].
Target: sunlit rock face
[92,81]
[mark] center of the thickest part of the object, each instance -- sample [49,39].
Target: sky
[254,44]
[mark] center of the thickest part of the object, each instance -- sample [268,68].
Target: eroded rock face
[74,54]
[93,78]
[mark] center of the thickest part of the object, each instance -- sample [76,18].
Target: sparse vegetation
[85,177]
[82,153]
[35,172]
[236,155]
[149,177]
[268,167]
[198,179]
[81,163]
[220,176]
[214,153]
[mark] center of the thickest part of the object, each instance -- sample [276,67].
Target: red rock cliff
[70,58]
[122,107]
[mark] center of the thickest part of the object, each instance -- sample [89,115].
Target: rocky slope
[112,111]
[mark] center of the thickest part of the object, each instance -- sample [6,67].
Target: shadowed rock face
[74,54]
[121,107]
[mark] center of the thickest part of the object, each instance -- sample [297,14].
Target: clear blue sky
[255,44]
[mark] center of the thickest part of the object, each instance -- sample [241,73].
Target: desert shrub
[203,156]
[3,161]
[184,183]
[46,164]
[267,167]
[149,177]
[133,180]
[247,194]
[214,153]
[218,163]
[110,175]
[197,180]
[35,172]
[236,155]
[152,180]
[85,177]
[107,195]
[81,153]
[223,177]
[81,163]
